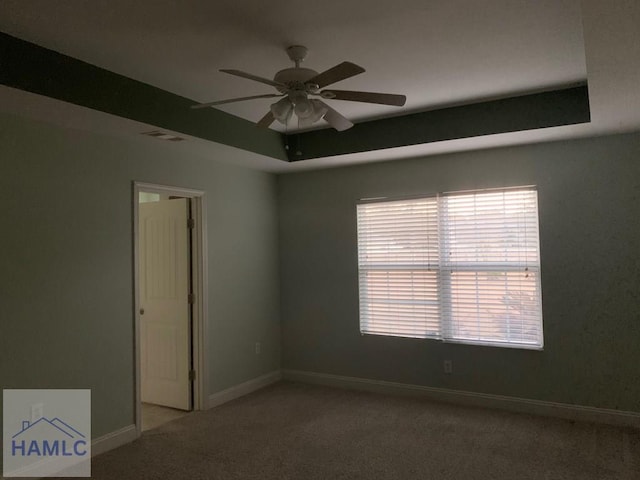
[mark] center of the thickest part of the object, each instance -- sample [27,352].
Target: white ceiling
[435,52]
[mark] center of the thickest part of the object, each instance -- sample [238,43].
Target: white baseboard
[49,467]
[113,440]
[513,404]
[98,445]
[244,388]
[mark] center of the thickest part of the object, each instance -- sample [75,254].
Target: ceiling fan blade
[239,73]
[231,100]
[367,97]
[267,120]
[335,119]
[340,72]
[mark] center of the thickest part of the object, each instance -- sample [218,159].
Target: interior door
[164,303]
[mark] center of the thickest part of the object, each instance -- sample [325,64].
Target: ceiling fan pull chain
[286,135]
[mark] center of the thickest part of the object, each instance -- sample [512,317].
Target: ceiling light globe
[304,108]
[282,110]
[319,110]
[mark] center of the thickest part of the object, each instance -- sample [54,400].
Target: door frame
[199,337]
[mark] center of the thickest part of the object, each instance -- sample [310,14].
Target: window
[460,267]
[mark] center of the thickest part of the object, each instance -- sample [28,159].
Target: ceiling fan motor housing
[294,78]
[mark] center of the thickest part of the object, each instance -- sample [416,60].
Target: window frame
[444,273]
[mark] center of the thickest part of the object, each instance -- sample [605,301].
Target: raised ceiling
[438,53]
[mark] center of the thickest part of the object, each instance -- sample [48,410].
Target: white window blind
[461,267]
[399,256]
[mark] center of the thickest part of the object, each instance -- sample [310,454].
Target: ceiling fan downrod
[297,54]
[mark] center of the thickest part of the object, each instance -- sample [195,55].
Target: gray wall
[589,204]
[66,289]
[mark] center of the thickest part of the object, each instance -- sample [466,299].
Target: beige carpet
[296,431]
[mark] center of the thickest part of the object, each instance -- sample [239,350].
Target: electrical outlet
[448,366]
[257,348]
[37,412]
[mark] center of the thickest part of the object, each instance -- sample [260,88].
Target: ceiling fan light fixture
[319,110]
[302,106]
[282,110]
[304,109]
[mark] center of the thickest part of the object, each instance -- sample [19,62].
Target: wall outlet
[257,348]
[37,412]
[448,366]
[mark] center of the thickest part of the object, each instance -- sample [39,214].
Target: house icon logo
[46,433]
[46,437]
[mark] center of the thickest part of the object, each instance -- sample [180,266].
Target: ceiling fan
[299,89]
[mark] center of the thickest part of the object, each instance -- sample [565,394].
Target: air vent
[160,135]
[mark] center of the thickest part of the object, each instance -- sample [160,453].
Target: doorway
[170,302]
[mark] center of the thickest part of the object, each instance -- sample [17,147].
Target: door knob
[142,311]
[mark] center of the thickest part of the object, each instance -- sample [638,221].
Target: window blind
[461,267]
[398,254]
[491,267]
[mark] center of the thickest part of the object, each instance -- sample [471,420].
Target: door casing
[200,281]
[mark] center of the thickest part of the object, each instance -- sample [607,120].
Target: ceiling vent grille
[160,135]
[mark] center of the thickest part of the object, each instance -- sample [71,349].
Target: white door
[164,303]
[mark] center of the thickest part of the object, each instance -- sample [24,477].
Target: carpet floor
[298,431]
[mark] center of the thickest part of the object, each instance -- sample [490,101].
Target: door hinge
[192,375]
[191,298]
[191,223]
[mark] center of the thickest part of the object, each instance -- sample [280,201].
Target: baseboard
[98,445]
[513,404]
[113,440]
[244,388]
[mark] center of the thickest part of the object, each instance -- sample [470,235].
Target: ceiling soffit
[35,69]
